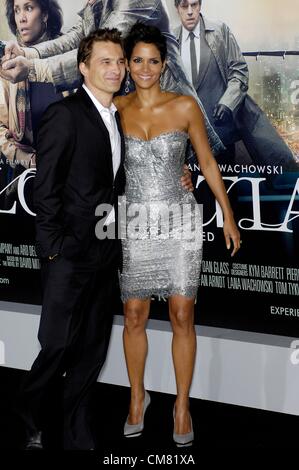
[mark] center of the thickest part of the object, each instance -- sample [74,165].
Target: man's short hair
[177,3]
[100,35]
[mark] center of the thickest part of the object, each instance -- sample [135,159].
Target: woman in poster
[22,104]
[157,125]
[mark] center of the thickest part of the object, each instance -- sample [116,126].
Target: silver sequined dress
[162,228]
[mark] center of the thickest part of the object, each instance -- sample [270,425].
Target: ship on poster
[258,289]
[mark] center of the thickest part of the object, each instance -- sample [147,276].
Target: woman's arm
[199,139]
[64,43]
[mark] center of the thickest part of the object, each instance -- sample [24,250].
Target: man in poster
[219,73]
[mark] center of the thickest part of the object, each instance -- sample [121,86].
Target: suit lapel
[100,125]
[179,37]
[211,39]
[205,56]
[96,117]
[122,153]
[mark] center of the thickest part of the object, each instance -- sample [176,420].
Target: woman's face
[146,65]
[29,20]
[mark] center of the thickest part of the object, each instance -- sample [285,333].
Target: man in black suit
[80,151]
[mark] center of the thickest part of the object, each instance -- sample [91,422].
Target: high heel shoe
[135,430]
[182,440]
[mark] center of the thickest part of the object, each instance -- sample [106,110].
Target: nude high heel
[135,430]
[182,440]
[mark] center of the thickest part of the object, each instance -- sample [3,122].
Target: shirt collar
[185,32]
[102,109]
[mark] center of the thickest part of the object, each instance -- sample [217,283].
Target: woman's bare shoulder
[181,101]
[187,105]
[186,100]
[122,101]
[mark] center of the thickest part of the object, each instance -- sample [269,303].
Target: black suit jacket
[74,175]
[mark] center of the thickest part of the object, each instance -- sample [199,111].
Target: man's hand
[12,50]
[222,114]
[186,180]
[15,70]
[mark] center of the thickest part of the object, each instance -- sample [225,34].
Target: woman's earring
[127,83]
[161,78]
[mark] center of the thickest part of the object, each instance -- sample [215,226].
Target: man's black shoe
[34,442]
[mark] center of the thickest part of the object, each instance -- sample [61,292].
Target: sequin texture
[161,254]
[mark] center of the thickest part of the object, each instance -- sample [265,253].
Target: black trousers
[74,333]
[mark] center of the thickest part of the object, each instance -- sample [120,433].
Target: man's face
[189,11]
[106,68]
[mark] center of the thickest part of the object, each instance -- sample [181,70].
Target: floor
[220,429]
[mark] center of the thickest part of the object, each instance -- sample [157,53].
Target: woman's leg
[135,346]
[181,313]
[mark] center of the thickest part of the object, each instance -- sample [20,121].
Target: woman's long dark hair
[49,7]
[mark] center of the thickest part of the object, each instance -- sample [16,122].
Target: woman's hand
[186,180]
[231,232]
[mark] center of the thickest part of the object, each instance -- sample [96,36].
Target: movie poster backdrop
[258,289]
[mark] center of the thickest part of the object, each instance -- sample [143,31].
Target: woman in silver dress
[162,235]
